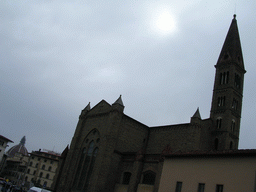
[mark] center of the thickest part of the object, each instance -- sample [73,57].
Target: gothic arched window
[149,178]
[126,178]
[86,161]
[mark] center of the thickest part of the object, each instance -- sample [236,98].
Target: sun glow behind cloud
[163,21]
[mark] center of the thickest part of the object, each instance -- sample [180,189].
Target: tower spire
[231,51]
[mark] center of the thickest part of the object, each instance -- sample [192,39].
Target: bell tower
[228,92]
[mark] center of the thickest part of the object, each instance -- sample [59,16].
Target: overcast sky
[57,56]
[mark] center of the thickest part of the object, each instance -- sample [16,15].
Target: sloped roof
[6,139]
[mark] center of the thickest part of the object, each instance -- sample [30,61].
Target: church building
[112,152]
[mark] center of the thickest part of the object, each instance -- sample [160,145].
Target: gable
[101,107]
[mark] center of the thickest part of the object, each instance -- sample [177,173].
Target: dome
[20,148]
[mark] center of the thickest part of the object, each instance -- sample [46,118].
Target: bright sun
[163,22]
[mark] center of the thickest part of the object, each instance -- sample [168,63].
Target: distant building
[111,151]
[3,144]
[42,168]
[223,171]
[16,163]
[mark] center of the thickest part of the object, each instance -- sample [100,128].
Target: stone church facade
[111,151]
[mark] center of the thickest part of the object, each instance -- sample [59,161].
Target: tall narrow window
[233,126]
[237,81]
[227,78]
[86,161]
[216,144]
[219,188]
[83,168]
[218,123]
[201,187]
[79,167]
[178,186]
[43,167]
[231,145]
[224,78]
[221,101]
[235,104]
[93,157]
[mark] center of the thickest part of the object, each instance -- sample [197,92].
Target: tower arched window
[216,144]
[31,163]
[235,104]
[237,81]
[47,176]
[233,126]
[41,174]
[221,101]
[231,145]
[28,171]
[50,168]
[86,161]
[43,167]
[224,78]
[227,78]
[218,123]
[126,178]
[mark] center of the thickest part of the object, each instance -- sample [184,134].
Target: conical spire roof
[119,101]
[87,108]
[23,140]
[231,50]
[197,114]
